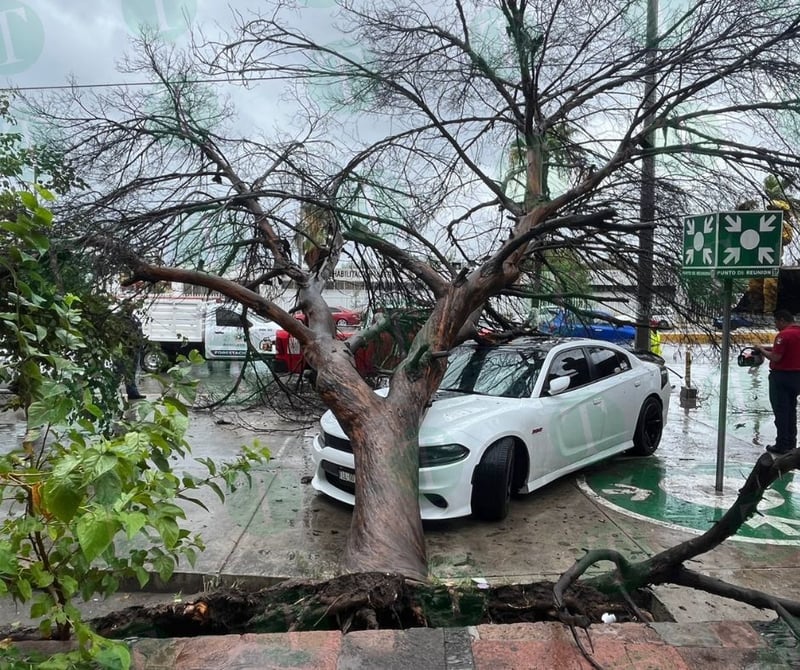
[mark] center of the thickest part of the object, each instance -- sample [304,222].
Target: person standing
[129,348]
[784,380]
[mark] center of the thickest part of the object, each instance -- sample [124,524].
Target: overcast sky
[46,43]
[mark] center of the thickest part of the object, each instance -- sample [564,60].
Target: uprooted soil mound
[359,602]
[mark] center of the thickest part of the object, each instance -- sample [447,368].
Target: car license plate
[347,476]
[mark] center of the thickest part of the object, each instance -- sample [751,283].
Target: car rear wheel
[649,427]
[492,482]
[154,359]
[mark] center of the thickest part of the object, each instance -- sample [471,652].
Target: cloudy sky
[47,43]
[43,42]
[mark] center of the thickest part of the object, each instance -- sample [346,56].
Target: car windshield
[509,372]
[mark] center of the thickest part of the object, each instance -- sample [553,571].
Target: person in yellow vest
[763,292]
[655,340]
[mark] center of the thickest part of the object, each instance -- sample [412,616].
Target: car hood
[452,417]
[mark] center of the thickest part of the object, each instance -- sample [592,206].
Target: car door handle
[637,383]
[597,401]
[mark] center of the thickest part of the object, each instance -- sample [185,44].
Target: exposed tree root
[667,566]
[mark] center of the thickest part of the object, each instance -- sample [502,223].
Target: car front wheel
[341,322]
[492,481]
[648,428]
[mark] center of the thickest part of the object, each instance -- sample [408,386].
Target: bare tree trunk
[386,530]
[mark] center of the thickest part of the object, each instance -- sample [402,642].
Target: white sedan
[511,418]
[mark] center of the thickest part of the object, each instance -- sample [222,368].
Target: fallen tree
[569,111]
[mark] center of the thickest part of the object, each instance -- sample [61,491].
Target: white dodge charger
[508,419]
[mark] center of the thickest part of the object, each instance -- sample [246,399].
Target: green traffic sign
[732,244]
[700,244]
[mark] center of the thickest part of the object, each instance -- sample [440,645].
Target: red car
[341,316]
[345,317]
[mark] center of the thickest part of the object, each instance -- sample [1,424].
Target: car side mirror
[558,385]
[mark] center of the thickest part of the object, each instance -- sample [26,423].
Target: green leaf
[24,589]
[105,463]
[112,656]
[142,576]
[68,585]
[133,522]
[160,462]
[191,555]
[177,405]
[18,229]
[42,216]
[169,530]
[196,501]
[41,414]
[41,606]
[29,200]
[165,566]
[61,497]
[41,577]
[8,559]
[108,488]
[95,532]
[216,489]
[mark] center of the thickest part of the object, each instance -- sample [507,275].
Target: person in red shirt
[784,380]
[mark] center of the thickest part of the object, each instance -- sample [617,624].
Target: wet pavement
[282,528]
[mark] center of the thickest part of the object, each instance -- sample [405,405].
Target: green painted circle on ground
[683,497]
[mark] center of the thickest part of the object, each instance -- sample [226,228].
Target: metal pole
[647,197]
[727,292]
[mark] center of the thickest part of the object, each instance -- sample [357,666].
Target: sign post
[724,245]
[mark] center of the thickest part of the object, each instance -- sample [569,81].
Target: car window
[571,363]
[229,317]
[608,362]
[496,371]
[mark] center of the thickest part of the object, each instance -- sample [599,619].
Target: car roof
[542,343]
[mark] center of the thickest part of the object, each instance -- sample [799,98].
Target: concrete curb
[729,645]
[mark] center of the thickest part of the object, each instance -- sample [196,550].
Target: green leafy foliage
[90,496]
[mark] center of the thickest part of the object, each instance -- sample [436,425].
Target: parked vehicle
[380,354]
[511,418]
[341,316]
[661,321]
[176,325]
[345,317]
[596,324]
[737,321]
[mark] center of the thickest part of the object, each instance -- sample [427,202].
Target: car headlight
[441,454]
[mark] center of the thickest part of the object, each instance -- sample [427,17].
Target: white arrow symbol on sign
[732,255]
[785,526]
[636,494]
[689,256]
[765,225]
[708,225]
[707,256]
[690,228]
[734,224]
[765,255]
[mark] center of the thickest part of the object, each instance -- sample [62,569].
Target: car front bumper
[445,491]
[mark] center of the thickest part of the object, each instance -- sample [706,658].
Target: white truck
[175,325]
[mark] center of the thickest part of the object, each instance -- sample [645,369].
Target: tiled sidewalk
[670,646]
